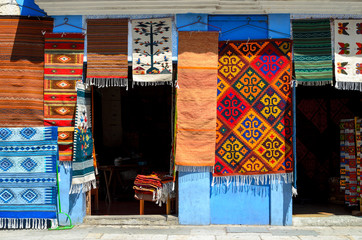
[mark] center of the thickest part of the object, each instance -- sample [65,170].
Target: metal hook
[249,20]
[198,18]
[66,20]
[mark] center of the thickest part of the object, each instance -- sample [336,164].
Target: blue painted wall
[29,8]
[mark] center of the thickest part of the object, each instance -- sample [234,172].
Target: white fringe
[158,83]
[194,169]
[83,187]
[166,192]
[294,191]
[107,82]
[246,182]
[313,83]
[26,223]
[67,165]
[349,86]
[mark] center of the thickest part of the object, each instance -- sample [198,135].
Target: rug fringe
[26,223]
[313,83]
[294,191]
[194,169]
[83,187]
[244,182]
[166,192]
[349,86]
[158,83]
[107,82]
[67,165]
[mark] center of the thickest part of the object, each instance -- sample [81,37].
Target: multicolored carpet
[107,52]
[83,178]
[28,193]
[254,121]
[312,52]
[348,54]
[152,51]
[22,68]
[196,107]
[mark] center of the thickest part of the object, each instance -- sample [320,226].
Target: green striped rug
[312,52]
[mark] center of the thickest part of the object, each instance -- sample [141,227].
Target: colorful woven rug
[21,71]
[254,121]
[63,68]
[152,56]
[107,52]
[28,193]
[196,107]
[312,52]
[348,54]
[348,162]
[83,170]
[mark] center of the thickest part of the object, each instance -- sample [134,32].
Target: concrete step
[154,220]
[327,221]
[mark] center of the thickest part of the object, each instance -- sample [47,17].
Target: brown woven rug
[196,99]
[21,70]
[107,52]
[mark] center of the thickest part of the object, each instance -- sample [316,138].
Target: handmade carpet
[63,68]
[151,51]
[28,158]
[196,107]
[254,120]
[312,52]
[21,71]
[107,52]
[348,54]
[83,169]
[348,161]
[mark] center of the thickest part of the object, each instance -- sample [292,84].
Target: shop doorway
[133,135]
[318,114]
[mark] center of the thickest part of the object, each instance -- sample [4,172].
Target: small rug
[107,52]
[348,54]
[196,107]
[254,118]
[83,169]
[63,68]
[312,52]
[28,158]
[65,142]
[152,51]
[22,70]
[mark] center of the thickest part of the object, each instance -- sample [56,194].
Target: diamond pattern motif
[28,133]
[29,164]
[5,164]
[5,133]
[29,195]
[6,195]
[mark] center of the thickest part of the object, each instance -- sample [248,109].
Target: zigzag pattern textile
[348,54]
[350,168]
[28,160]
[312,52]
[22,69]
[63,68]
[254,119]
[83,169]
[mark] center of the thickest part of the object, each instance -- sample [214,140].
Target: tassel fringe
[166,192]
[194,169]
[314,83]
[247,182]
[27,223]
[159,83]
[107,82]
[83,187]
[294,191]
[349,86]
[67,165]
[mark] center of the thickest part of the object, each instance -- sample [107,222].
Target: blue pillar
[193,188]
[281,203]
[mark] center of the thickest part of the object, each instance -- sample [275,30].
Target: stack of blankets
[157,187]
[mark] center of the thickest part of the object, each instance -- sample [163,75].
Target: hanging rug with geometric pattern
[254,118]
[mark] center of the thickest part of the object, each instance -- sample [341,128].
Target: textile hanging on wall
[196,106]
[254,119]
[348,161]
[151,51]
[63,68]
[107,52]
[312,52]
[348,54]
[28,158]
[83,169]
[22,69]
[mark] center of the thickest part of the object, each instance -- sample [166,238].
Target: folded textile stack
[157,187]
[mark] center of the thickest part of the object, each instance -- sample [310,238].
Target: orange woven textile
[107,52]
[21,71]
[196,98]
